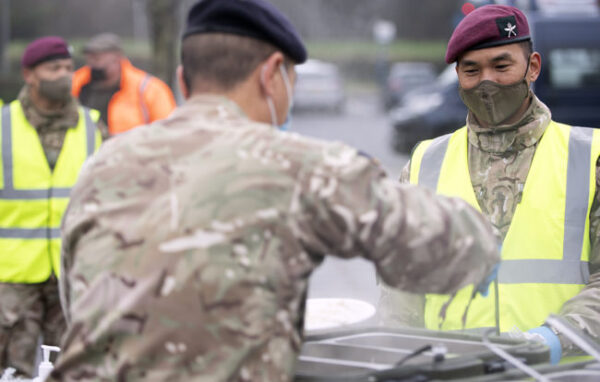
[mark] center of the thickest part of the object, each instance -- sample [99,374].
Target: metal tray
[568,372]
[372,353]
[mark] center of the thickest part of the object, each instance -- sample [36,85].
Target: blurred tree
[348,19]
[70,18]
[424,19]
[315,19]
[164,19]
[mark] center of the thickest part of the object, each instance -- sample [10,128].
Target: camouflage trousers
[28,311]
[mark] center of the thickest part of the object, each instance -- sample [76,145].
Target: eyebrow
[467,63]
[501,57]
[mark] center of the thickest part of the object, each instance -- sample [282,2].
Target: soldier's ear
[28,76]
[269,70]
[184,82]
[535,67]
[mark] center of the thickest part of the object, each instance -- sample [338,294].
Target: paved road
[364,126]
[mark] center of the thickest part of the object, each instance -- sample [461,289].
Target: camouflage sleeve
[64,287]
[583,310]
[397,308]
[75,215]
[405,174]
[418,241]
[72,216]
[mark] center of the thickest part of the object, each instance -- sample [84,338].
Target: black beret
[251,18]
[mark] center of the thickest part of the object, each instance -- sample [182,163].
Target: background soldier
[188,245]
[534,178]
[46,137]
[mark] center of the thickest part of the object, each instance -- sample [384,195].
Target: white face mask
[288,88]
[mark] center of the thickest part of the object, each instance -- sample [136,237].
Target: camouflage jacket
[188,244]
[499,163]
[52,126]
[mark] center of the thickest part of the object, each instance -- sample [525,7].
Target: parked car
[560,7]
[570,79]
[406,76]
[319,87]
[428,112]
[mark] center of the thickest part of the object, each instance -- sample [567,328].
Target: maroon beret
[485,27]
[45,49]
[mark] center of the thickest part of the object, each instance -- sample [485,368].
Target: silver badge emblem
[511,30]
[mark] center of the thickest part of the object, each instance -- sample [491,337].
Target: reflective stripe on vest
[30,233]
[545,257]
[144,108]
[31,206]
[431,165]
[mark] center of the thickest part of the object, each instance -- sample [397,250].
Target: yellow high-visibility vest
[545,255]
[32,197]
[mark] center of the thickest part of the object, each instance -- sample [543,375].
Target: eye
[502,66]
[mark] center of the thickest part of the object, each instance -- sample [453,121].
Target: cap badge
[507,26]
[510,29]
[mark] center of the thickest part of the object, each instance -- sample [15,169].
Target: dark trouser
[28,311]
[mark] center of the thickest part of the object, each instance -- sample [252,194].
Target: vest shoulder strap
[142,90]
[91,119]
[427,160]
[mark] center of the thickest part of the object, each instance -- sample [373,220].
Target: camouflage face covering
[58,90]
[494,103]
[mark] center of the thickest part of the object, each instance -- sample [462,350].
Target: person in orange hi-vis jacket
[125,95]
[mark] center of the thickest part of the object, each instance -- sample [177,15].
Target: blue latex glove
[551,340]
[484,288]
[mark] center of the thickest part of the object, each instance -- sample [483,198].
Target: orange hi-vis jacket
[141,98]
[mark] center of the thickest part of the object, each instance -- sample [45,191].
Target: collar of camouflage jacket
[49,121]
[514,137]
[211,106]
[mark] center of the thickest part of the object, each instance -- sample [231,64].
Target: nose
[487,75]
[65,71]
